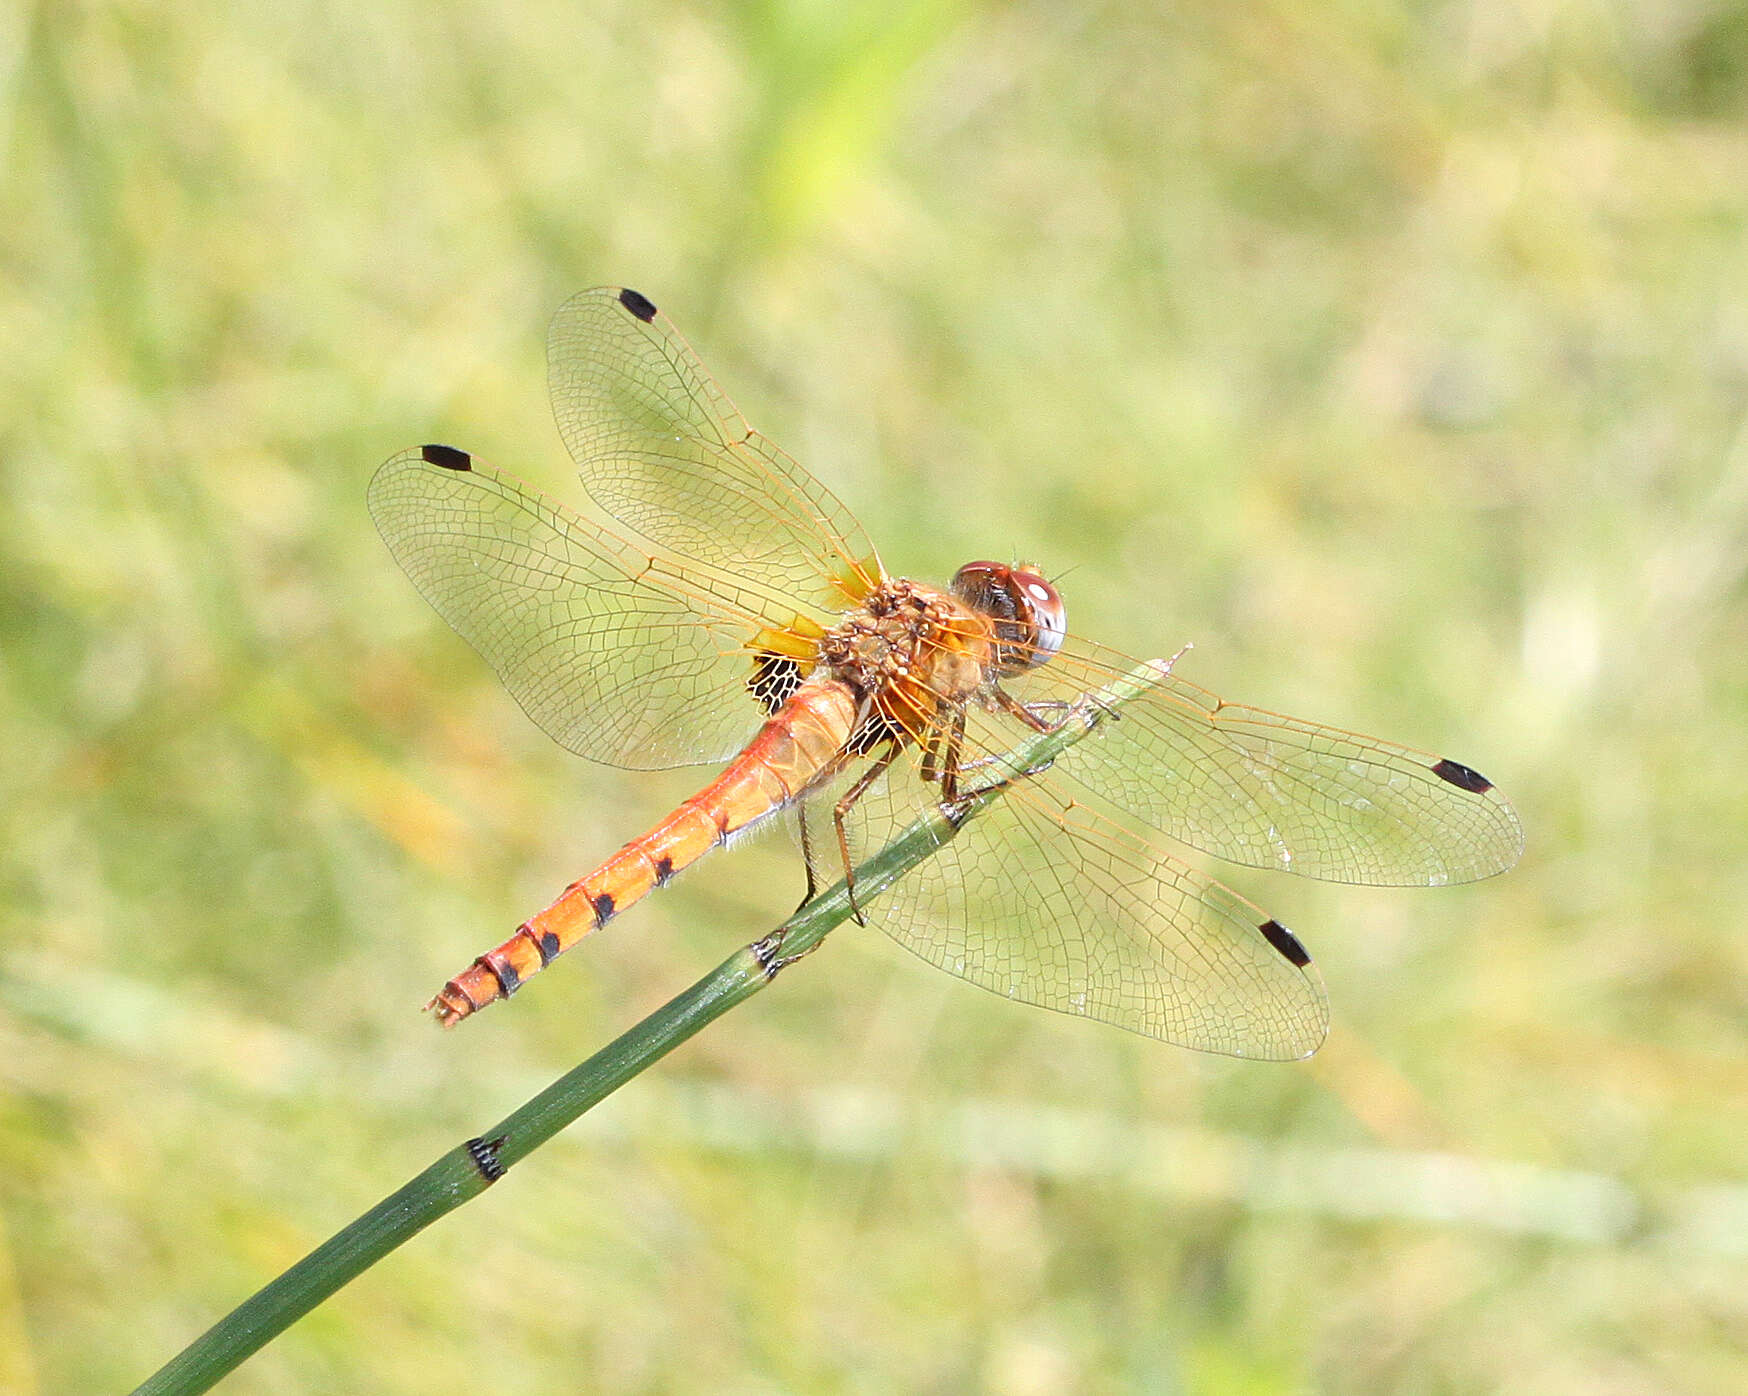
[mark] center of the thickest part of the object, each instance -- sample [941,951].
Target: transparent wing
[1268,791]
[625,658]
[662,448]
[1043,901]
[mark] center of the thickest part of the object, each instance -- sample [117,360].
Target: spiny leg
[806,854]
[876,769]
[941,763]
[809,850]
[770,950]
[1062,711]
[943,757]
[953,801]
[1027,712]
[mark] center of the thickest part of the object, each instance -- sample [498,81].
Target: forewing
[662,448]
[1268,791]
[1040,900]
[622,657]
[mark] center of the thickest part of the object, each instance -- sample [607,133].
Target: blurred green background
[1398,356]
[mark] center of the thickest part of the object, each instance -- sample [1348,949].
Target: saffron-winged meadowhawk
[733,611]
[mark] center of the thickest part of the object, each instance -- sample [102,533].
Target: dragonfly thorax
[914,640]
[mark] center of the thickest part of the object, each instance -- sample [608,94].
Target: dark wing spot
[1462,777]
[604,907]
[639,305]
[548,944]
[664,868]
[1286,942]
[447,457]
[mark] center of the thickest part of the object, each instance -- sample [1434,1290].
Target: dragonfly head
[1026,610]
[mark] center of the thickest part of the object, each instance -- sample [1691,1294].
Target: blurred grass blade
[469,1169]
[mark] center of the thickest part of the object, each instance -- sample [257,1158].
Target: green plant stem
[469,1169]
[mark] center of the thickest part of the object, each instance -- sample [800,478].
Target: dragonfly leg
[810,850]
[806,854]
[769,953]
[941,764]
[954,803]
[1061,711]
[875,769]
[956,807]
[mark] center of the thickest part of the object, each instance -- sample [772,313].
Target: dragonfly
[726,608]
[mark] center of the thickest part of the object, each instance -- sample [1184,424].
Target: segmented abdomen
[800,741]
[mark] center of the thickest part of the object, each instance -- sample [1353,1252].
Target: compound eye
[1046,619]
[983,585]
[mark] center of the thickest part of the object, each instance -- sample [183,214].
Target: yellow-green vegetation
[1396,356]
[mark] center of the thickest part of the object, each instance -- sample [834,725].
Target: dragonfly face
[1029,617]
[721,603]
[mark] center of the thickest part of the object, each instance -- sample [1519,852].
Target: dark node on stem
[638,304]
[1462,777]
[1286,942]
[484,1153]
[664,869]
[447,457]
[604,908]
[766,953]
[548,946]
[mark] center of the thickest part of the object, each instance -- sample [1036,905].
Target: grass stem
[469,1169]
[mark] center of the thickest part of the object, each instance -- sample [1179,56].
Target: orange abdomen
[791,750]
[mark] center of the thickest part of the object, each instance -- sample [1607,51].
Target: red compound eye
[1029,617]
